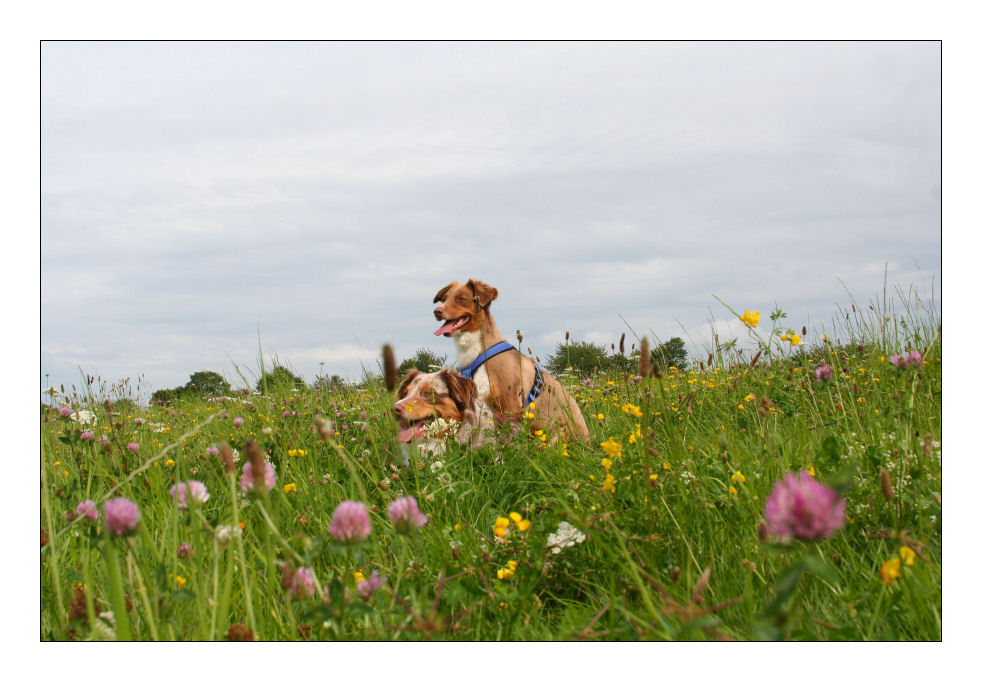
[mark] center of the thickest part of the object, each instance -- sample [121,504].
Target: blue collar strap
[496,349]
[485,356]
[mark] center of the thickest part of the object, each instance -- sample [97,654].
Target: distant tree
[206,383]
[672,353]
[334,381]
[279,378]
[582,356]
[166,396]
[424,360]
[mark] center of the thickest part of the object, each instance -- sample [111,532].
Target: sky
[201,199]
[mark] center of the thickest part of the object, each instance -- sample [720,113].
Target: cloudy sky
[200,197]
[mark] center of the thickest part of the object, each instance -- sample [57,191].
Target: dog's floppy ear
[441,295]
[483,293]
[413,373]
[462,390]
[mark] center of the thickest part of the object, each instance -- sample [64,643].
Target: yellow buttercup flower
[907,554]
[501,526]
[733,491]
[666,466]
[289,488]
[632,410]
[738,478]
[606,463]
[811,471]
[181,582]
[600,416]
[359,577]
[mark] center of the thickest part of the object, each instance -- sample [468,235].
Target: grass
[672,547]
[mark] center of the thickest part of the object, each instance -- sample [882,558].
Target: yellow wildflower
[605,463]
[750,397]
[508,572]
[811,471]
[359,577]
[653,478]
[600,417]
[611,447]
[501,526]
[750,318]
[289,488]
[181,582]
[738,477]
[632,410]
[890,570]
[170,463]
[609,482]
[733,491]
[666,466]
[907,554]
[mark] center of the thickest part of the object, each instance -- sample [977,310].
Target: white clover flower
[224,535]
[566,535]
[436,466]
[444,479]
[83,417]
[440,428]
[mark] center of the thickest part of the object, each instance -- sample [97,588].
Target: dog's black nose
[438,314]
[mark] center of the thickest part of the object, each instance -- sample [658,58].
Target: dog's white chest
[468,348]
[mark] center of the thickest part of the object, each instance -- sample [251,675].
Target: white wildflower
[566,535]
[440,428]
[224,535]
[83,417]
[436,466]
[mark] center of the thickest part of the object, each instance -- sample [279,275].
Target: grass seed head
[885,485]
[225,453]
[644,369]
[389,367]
[255,454]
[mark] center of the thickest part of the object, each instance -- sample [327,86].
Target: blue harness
[496,349]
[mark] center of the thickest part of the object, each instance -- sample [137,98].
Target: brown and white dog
[504,380]
[425,398]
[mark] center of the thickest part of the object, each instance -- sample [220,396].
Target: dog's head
[462,307]
[424,397]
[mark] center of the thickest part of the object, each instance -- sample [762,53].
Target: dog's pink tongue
[410,432]
[445,329]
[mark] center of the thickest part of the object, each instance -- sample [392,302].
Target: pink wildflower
[303,583]
[248,483]
[899,361]
[86,435]
[184,550]
[823,373]
[405,515]
[133,447]
[237,421]
[914,359]
[350,523]
[103,439]
[64,411]
[87,509]
[369,585]
[801,507]
[122,516]
[212,451]
[197,490]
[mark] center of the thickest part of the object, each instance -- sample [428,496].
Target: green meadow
[655,528]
